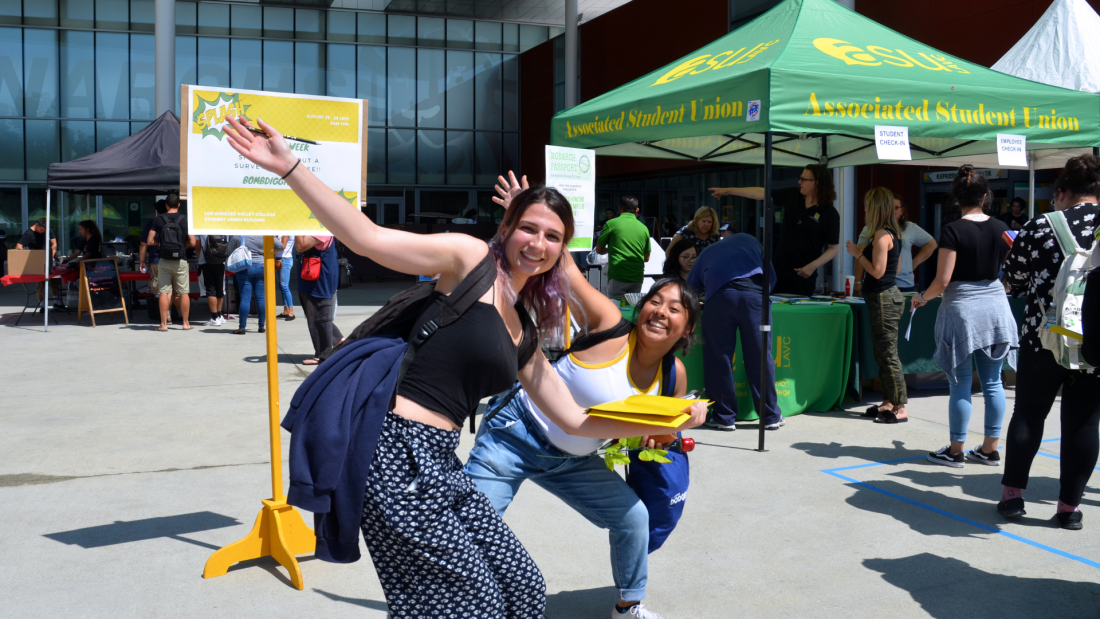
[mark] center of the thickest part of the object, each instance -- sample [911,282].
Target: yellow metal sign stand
[279,531]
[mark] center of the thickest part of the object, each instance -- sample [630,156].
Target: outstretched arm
[452,255]
[752,193]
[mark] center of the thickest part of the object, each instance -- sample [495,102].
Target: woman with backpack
[974,325]
[437,545]
[1033,268]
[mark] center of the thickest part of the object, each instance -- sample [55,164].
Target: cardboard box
[26,262]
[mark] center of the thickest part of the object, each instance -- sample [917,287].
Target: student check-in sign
[892,143]
[1012,150]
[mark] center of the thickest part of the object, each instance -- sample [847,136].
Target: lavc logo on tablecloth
[782,352]
[209,116]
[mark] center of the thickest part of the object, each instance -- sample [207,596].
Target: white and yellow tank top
[591,384]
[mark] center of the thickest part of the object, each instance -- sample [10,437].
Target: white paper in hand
[912,314]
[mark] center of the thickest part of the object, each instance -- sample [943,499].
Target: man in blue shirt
[318,296]
[730,275]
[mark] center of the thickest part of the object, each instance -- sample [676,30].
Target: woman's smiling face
[662,320]
[536,243]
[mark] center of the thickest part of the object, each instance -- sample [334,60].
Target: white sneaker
[776,425]
[637,611]
[213,322]
[220,320]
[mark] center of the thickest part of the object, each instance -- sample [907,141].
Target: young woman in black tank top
[885,302]
[427,528]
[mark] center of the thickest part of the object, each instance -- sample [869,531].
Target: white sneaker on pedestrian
[946,458]
[220,321]
[776,425]
[714,425]
[637,611]
[213,322]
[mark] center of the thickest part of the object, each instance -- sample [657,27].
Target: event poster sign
[572,171]
[227,194]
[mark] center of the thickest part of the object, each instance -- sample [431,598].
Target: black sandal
[889,417]
[872,411]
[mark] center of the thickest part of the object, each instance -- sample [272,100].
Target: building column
[844,179]
[571,53]
[165,72]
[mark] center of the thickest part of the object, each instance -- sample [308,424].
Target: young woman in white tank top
[519,442]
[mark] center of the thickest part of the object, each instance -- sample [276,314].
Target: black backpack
[217,249]
[170,238]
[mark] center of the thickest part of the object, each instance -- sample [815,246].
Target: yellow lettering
[841,110]
[681,70]
[938,67]
[886,57]
[853,110]
[1012,115]
[829,109]
[953,119]
[941,110]
[925,110]
[710,112]
[908,109]
[888,112]
[1073,125]
[863,110]
[813,105]
[843,50]
[714,60]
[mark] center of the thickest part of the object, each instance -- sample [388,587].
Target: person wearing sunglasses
[912,236]
[810,236]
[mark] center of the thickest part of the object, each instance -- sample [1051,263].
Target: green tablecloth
[812,345]
[916,353]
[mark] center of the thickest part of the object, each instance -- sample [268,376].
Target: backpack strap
[668,372]
[1066,241]
[589,340]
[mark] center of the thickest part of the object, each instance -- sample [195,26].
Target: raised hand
[270,153]
[509,188]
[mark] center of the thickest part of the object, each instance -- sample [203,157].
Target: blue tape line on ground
[863,466]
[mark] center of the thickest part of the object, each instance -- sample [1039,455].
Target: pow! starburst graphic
[209,116]
[349,196]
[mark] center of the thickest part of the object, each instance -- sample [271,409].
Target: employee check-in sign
[1011,150]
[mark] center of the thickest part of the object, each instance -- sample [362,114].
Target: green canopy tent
[807,82]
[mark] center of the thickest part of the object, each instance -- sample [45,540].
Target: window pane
[110,133]
[142,15]
[213,62]
[278,22]
[42,148]
[340,76]
[246,64]
[402,30]
[186,18]
[138,126]
[430,85]
[309,69]
[112,14]
[11,159]
[11,215]
[488,90]
[452,203]
[487,36]
[40,67]
[77,139]
[246,21]
[511,37]
[279,66]
[187,60]
[510,159]
[77,74]
[431,31]
[341,26]
[511,93]
[112,75]
[460,33]
[308,25]
[401,151]
[213,18]
[376,156]
[80,14]
[11,72]
[40,12]
[372,28]
[142,76]
[460,90]
[372,82]
[530,36]
[11,12]
[402,87]
[430,166]
[488,158]
[460,157]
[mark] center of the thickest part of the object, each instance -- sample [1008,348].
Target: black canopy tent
[147,162]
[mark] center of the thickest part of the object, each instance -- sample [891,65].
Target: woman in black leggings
[1032,267]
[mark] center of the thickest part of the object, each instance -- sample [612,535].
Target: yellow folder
[650,420]
[654,409]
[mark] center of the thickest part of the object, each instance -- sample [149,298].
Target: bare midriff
[411,410]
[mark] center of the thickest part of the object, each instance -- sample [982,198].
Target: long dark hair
[688,299]
[92,229]
[826,193]
[543,295]
[969,186]
[672,263]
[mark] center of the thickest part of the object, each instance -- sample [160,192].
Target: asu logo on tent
[210,116]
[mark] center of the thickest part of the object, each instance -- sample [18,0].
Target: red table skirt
[71,275]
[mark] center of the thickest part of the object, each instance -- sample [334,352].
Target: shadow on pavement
[123,532]
[371,604]
[870,454]
[581,603]
[924,521]
[283,358]
[946,587]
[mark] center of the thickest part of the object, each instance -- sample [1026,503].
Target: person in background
[91,248]
[625,240]
[885,303]
[1032,268]
[912,236]
[169,231]
[974,325]
[35,238]
[726,230]
[149,253]
[671,226]
[318,297]
[213,253]
[283,272]
[702,231]
[811,230]
[251,281]
[681,257]
[1016,216]
[731,276]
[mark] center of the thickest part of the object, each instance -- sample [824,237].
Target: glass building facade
[77,76]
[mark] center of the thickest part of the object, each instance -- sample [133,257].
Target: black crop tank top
[470,359]
[870,284]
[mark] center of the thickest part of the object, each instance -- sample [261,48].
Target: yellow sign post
[279,531]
